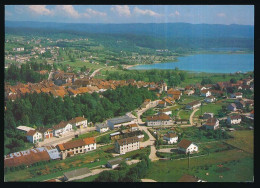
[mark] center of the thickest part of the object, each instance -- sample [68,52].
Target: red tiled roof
[211,122]
[77,119]
[62,124]
[128,140]
[158,117]
[184,143]
[31,133]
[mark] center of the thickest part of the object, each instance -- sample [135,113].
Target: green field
[171,171]
[243,140]
[185,114]
[211,108]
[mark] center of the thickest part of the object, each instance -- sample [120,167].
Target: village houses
[234,119]
[212,124]
[186,146]
[75,147]
[232,107]
[125,145]
[79,122]
[34,136]
[193,105]
[236,95]
[62,128]
[205,93]
[171,138]
[102,127]
[158,120]
[210,99]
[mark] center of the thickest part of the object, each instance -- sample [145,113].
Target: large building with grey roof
[118,121]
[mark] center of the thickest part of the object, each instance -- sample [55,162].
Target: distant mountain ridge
[167,30]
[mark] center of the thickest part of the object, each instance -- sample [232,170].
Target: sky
[195,14]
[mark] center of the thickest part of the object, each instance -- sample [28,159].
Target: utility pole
[189,160]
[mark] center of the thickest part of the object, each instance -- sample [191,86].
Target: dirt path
[95,72]
[148,180]
[191,116]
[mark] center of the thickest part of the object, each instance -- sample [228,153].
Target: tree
[233,80]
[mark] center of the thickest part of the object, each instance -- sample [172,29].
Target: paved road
[95,72]
[50,75]
[151,140]
[167,150]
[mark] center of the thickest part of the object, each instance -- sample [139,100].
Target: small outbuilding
[114,163]
[77,174]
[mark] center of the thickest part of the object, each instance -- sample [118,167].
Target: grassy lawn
[243,140]
[187,99]
[211,108]
[185,114]
[234,171]
[171,171]
[87,135]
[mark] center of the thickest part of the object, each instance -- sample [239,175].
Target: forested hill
[169,30]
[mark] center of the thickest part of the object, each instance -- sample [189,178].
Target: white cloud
[67,10]
[40,9]
[221,14]
[123,10]
[175,14]
[146,12]
[90,12]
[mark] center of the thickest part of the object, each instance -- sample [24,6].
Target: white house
[212,124]
[166,111]
[232,107]
[118,121]
[193,105]
[234,119]
[159,119]
[79,122]
[74,147]
[187,146]
[46,132]
[125,145]
[170,138]
[133,127]
[102,127]
[34,136]
[236,95]
[189,92]
[205,93]
[210,99]
[62,128]
[208,115]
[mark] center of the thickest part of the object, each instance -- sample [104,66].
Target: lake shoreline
[207,63]
[129,67]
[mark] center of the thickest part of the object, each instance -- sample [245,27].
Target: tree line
[27,72]
[171,77]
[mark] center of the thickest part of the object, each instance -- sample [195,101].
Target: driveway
[191,116]
[167,150]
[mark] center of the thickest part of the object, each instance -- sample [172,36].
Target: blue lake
[211,63]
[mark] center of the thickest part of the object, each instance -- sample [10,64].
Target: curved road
[95,72]
[191,116]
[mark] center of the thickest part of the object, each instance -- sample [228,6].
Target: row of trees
[172,77]
[45,110]
[25,74]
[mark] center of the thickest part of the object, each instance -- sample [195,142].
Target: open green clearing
[171,171]
[185,114]
[243,140]
[211,108]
